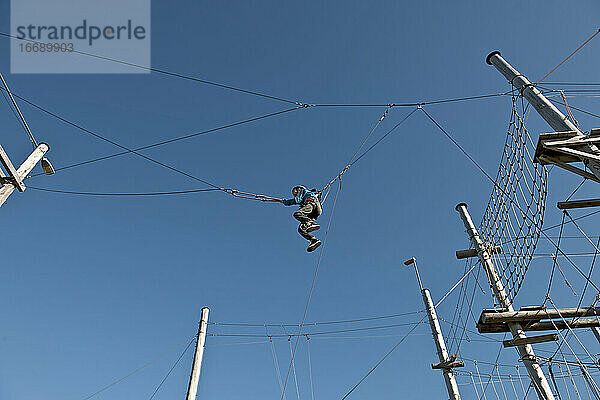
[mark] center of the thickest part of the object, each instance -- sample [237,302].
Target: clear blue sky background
[94,287]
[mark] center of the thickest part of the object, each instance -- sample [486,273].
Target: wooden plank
[552,337]
[536,315]
[567,205]
[547,160]
[540,149]
[541,326]
[578,153]
[448,365]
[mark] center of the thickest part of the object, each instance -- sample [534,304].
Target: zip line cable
[310,333]
[411,104]
[569,56]
[168,141]
[14,112]
[171,370]
[18,112]
[457,145]
[343,171]
[383,137]
[165,72]
[575,108]
[233,192]
[384,357]
[316,323]
[571,84]
[123,194]
[255,93]
[138,369]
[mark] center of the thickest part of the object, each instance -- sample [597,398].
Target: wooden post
[446,363]
[536,374]
[25,168]
[195,375]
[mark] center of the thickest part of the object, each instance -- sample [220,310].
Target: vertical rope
[521,381]
[564,381]
[474,384]
[553,379]
[312,391]
[513,386]
[501,384]
[314,281]
[276,363]
[480,381]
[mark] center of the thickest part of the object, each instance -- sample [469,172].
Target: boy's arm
[289,202]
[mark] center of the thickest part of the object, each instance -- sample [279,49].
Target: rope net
[515,212]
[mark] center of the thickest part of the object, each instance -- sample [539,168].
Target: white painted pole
[24,170]
[440,345]
[536,374]
[195,375]
[557,120]
[438,338]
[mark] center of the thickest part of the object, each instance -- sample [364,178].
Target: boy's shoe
[312,226]
[313,245]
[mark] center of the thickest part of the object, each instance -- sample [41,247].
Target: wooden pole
[536,374]
[195,375]
[440,345]
[446,363]
[536,315]
[23,171]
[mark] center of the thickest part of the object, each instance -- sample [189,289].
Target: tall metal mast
[568,144]
[525,350]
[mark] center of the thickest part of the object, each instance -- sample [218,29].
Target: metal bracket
[460,254]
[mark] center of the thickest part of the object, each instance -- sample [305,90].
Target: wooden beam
[488,317]
[448,365]
[541,326]
[567,205]
[568,167]
[552,337]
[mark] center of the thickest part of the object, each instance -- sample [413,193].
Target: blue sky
[95,287]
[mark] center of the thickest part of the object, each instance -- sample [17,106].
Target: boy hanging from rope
[309,211]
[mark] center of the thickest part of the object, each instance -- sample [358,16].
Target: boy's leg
[302,231]
[314,214]
[303,215]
